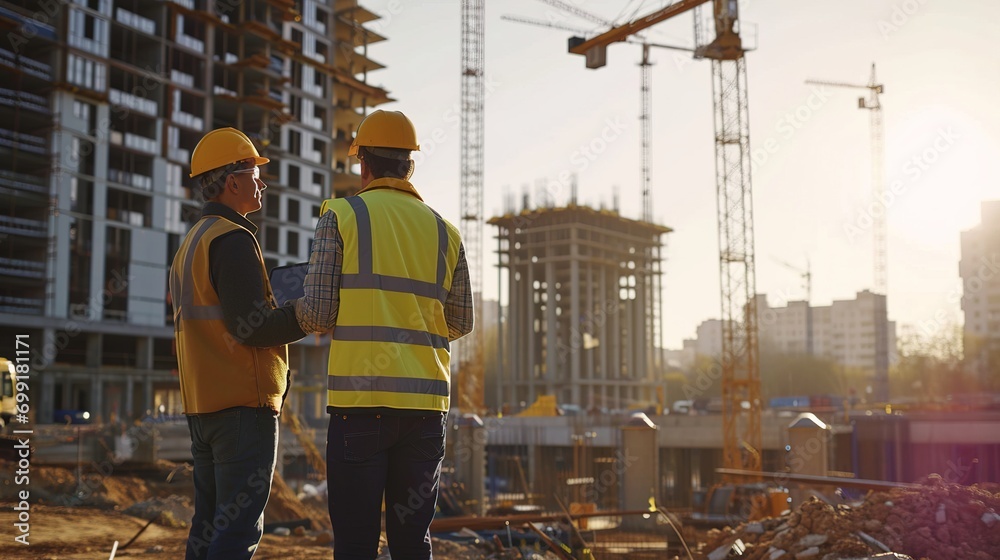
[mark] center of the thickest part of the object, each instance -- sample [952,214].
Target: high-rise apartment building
[102,103]
[980,272]
[845,331]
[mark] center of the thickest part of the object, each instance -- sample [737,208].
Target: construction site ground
[71,520]
[78,519]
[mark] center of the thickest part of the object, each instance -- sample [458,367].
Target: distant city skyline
[547,117]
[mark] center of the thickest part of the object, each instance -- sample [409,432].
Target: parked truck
[8,393]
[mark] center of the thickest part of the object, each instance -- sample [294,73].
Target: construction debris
[936,521]
[172,511]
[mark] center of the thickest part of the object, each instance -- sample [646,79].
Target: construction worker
[231,351]
[388,277]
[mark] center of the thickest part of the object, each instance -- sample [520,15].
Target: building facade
[104,102]
[980,273]
[846,331]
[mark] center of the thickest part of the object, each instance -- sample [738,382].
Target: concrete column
[147,395]
[551,325]
[96,402]
[144,353]
[93,357]
[518,371]
[809,439]
[589,310]
[604,342]
[48,405]
[638,467]
[129,413]
[575,334]
[470,460]
[530,357]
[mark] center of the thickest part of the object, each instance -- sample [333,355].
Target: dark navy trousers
[374,456]
[234,457]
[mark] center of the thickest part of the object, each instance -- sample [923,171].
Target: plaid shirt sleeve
[317,310]
[458,309]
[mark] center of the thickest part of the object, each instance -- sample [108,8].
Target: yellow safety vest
[217,371]
[390,344]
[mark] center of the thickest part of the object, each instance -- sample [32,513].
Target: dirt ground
[60,532]
[68,533]
[67,523]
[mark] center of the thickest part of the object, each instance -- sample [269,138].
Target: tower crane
[577,11]
[646,92]
[740,367]
[470,353]
[807,284]
[873,104]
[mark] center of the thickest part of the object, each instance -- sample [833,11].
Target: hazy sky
[937,58]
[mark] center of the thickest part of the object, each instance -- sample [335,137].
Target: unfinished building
[583,308]
[103,102]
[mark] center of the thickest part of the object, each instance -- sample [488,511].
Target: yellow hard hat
[221,147]
[385,129]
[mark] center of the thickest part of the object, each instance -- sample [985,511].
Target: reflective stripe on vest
[365,279]
[376,359]
[187,309]
[216,371]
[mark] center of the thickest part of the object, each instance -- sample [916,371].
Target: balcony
[22,141]
[22,183]
[188,120]
[313,89]
[23,226]
[190,42]
[219,90]
[94,46]
[181,78]
[311,122]
[40,29]
[24,100]
[144,106]
[179,154]
[27,65]
[228,58]
[130,179]
[312,189]
[140,143]
[135,21]
[316,56]
[276,64]
[22,268]
[21,306]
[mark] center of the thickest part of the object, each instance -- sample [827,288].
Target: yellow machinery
[8,392]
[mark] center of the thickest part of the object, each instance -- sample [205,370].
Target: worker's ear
[231,184]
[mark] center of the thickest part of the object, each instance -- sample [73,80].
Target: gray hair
[213,181]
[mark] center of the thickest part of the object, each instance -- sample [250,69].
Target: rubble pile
[59,486]
[937,521]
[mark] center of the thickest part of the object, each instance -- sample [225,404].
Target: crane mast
[740,367]
[873,104]
[469,388]
[646,118]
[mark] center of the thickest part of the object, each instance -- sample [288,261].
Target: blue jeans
[234,455]
[368,455]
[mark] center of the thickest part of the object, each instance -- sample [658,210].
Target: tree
[931,366]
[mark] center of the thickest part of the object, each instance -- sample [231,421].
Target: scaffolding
[582,293]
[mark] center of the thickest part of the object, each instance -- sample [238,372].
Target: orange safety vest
[217,371]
